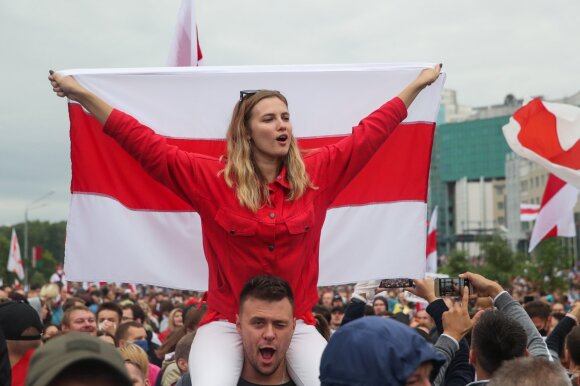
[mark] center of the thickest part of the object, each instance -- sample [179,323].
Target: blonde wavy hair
[241,172]
[137,356]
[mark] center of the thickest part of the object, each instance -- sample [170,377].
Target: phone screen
[396,283]
[451,286]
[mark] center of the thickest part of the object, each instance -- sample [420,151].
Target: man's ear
[183,365]
[238,324]
[294,323]
[472,358]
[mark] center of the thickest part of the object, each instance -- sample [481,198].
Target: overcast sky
[489,49]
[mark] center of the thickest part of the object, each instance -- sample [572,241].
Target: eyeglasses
[247,93]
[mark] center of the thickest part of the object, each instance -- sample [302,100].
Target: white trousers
[216,357]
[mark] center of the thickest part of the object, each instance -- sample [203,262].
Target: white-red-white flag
[529,212]
[556,216]
[432,243]
[121,217]
[549,134]
[185,50]
[15,264]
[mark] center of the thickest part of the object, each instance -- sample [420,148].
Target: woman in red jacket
[262,208]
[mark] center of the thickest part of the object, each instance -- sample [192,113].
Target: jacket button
[232,231]
[271,247]
[272,215]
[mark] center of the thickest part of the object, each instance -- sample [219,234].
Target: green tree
[551,262]
[457,263]
[499,261]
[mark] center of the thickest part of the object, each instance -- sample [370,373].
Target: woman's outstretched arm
[67,86]
[425,78]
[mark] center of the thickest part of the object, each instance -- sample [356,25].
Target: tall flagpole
[30,206]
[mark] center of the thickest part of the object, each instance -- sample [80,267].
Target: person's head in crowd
[322,326]
[319,309]
[135,354]
[72,301]
[96,296]
[77,359]
[22,330]
[79,319]
[380,306]
[136,374]
[337,301]
[495,338]
[165,307]
[266,324]
[182,352]
[539,312]
[573,348]
[336,316]
[50,293]
[530,372]
[175,318]
[377,351]
[558,308]
[423,319]
[132,332]
[109,316]
[133,313]
[49,331]
[107,337]
[45,312]
[326,298]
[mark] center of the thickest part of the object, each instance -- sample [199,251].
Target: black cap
[17,316]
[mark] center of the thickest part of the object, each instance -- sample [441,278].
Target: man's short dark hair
[123,330]
[573,344]
[138,312]
[268,288]
[530,371]
[497,338]
[538,308]
[110,306]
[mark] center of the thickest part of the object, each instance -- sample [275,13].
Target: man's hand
[576,312]
[482,287]
[424,288]
[456,321]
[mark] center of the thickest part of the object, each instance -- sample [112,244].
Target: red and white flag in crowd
[529,212]
[549,134]
[185,50]
[36,255]
[15,264]
[432,243]
[556,216]
[126,227]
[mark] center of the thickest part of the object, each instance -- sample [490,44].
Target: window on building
[500,205]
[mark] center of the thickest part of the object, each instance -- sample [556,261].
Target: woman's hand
[429,75]
[65,86]
[425,78]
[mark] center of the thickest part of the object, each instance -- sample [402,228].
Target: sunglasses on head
[248,93]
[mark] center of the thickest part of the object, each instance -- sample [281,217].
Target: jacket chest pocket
[236,226]
[301,223]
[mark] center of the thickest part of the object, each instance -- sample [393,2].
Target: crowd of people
[142,334]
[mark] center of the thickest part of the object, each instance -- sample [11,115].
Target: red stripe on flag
[432,242]
[398,172]
[553,186]
[529,211]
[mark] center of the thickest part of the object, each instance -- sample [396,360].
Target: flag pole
[26,209]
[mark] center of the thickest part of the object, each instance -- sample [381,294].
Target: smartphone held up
[451,286]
